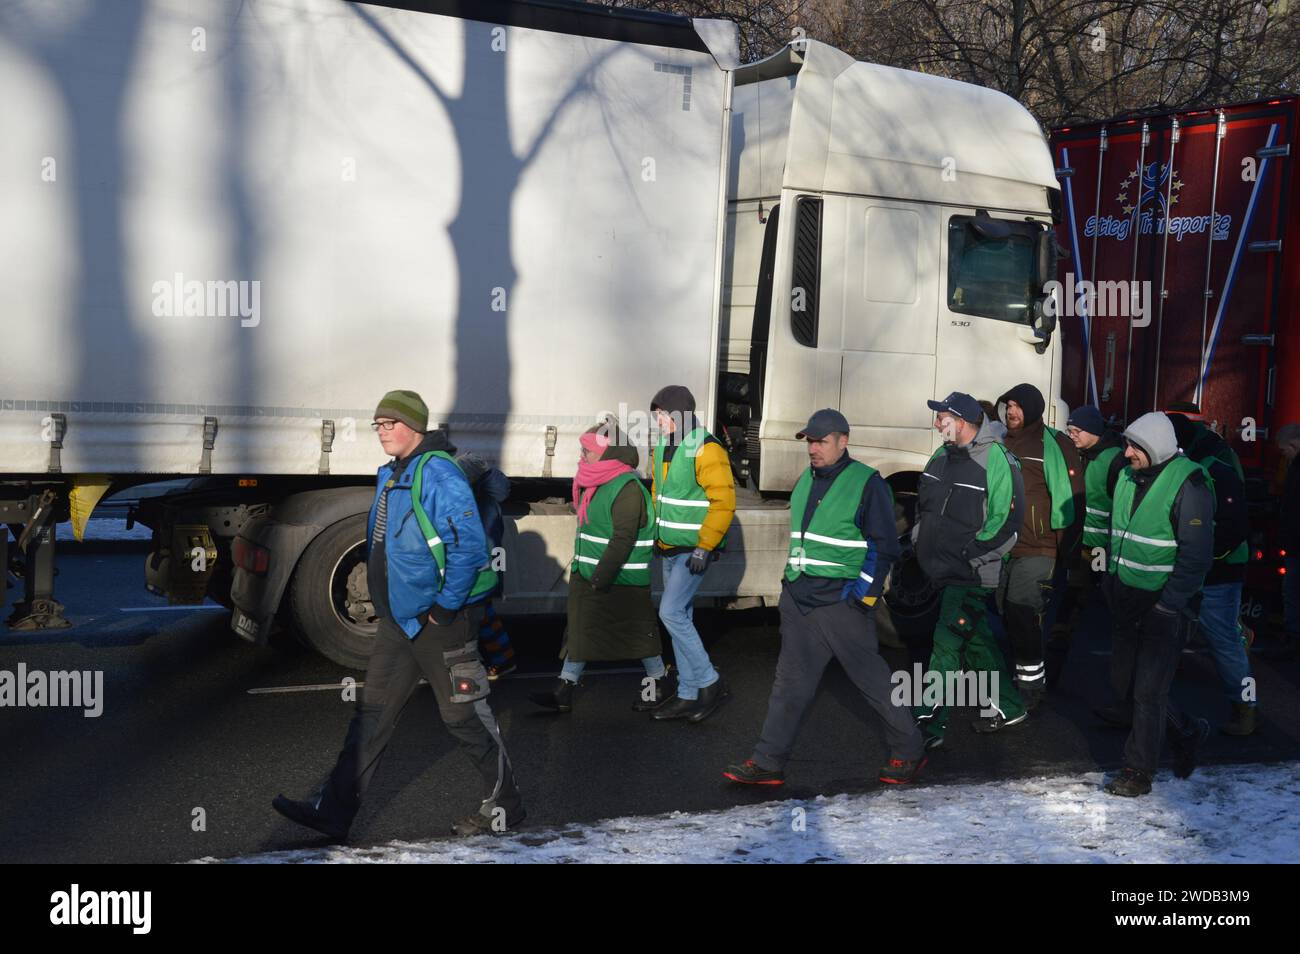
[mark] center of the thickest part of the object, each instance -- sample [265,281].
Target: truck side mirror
[1046,256]
[1044,321]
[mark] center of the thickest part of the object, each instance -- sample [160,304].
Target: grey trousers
[808,644]
[395,667]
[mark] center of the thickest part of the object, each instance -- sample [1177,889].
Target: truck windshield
[991,277]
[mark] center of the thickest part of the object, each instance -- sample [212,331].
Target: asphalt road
[187,725]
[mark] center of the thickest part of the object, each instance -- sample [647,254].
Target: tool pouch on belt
[968,621]
[469,681]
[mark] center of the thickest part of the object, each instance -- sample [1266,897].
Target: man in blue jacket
[429,573]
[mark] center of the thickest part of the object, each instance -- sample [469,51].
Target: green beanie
[407,407]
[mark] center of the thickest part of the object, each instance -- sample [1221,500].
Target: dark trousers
[808,643]
[1142,666]
[392,674]
[1023,593]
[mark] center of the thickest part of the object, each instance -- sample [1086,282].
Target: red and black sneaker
[750,772]
[901,772]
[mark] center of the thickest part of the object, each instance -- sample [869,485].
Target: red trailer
[1198,211]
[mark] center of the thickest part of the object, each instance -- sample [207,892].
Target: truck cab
[889,241]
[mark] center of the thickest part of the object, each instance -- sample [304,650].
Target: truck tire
[329,602]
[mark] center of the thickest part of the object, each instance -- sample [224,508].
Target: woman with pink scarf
[610,613]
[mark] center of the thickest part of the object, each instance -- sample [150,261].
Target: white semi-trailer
[231,225]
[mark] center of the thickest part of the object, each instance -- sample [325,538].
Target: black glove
[1160,620]
[698,562]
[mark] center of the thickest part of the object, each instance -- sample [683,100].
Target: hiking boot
[901,772]
[1129,783]
[750,772]
[986,725]
[1185,746]
[560,698]
[1242,722]
[489,820]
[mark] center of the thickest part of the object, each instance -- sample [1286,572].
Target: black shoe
[1031,694]
[560,698]
[658,695]
[932,742]
[901,772]
[1130,783]
[489,821]
[750,772]
[674,707]
[308,813]
[1185,746]
[1121,717]
[986,725]
[711,697]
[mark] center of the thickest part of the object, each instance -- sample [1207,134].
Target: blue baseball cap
[963,405]
[823,422]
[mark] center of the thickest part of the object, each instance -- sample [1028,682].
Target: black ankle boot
[652,700]
[560,698]
[316,813]
[711,697]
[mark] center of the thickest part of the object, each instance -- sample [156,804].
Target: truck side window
[991,277]
[806,273]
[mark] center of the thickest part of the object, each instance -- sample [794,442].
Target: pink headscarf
[592,476]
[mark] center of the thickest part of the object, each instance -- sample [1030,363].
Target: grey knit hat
[1155,436]
[405,406]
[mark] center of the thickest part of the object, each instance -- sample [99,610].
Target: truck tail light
[249,556]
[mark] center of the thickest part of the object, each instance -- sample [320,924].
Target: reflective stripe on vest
[593,537]
[832,546]
[680,502]
[1096,517]
[487,578]
[1143,545]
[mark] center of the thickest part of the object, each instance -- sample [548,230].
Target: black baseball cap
[963,405]
[826,421]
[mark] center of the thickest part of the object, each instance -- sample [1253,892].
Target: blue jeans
[676,609]
[1220,610]
[572,671]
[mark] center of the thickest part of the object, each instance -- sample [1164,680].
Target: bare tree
[1066,60]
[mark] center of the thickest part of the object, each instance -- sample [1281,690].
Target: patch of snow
[1222,814]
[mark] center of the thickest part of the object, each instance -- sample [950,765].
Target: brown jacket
[1037,538]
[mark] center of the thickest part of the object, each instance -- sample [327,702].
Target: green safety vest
[1057,474]
[1097,500]
[487,578]
[592,538]
[1142,543]
[832,546]
[680,502]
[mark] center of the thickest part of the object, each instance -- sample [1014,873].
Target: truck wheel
[329,601]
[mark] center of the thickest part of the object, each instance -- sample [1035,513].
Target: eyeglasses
[382,425]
